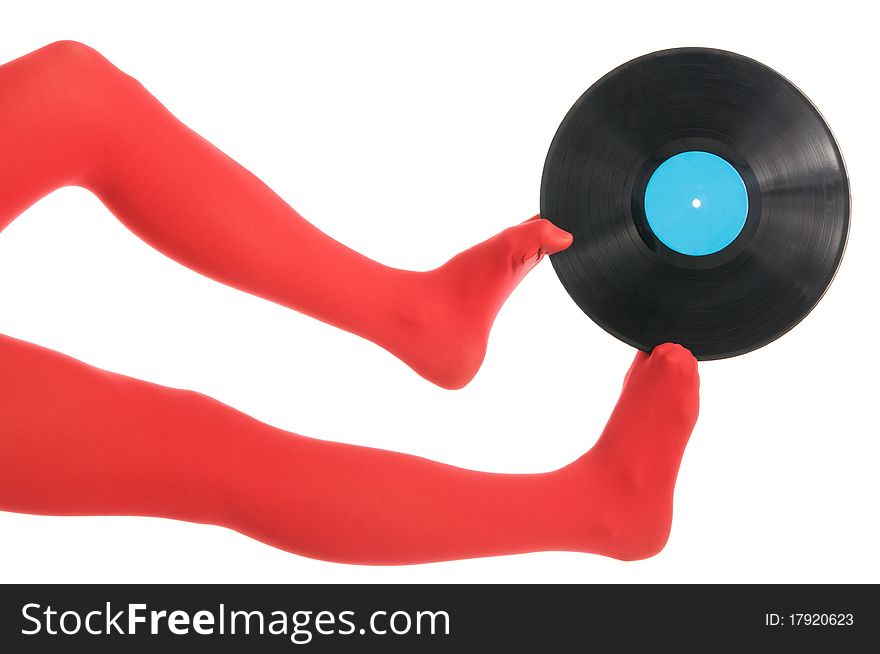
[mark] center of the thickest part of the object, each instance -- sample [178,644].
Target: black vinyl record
[629,143]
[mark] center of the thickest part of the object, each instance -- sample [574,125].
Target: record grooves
[750,254]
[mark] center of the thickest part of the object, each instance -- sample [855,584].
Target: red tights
[75,440]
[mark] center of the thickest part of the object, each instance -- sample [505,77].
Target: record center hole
[696,203]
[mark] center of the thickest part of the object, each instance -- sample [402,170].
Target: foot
[464,295]
[627,479]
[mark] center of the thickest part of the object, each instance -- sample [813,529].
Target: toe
[673,353]
[536,237]
[552,239]
[675,357]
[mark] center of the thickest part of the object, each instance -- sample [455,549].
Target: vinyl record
[708,200]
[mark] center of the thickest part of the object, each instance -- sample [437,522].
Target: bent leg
[69,117]
[75,440]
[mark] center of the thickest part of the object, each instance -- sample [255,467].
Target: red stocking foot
[629,476]
[464,297]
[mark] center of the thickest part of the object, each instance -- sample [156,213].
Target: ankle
[620,513]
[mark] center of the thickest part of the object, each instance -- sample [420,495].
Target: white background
[410,133]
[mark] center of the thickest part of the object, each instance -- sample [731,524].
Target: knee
[71,53]
[74,62]
[77,87]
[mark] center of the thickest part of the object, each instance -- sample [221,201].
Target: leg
[69,117]
[75,440]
